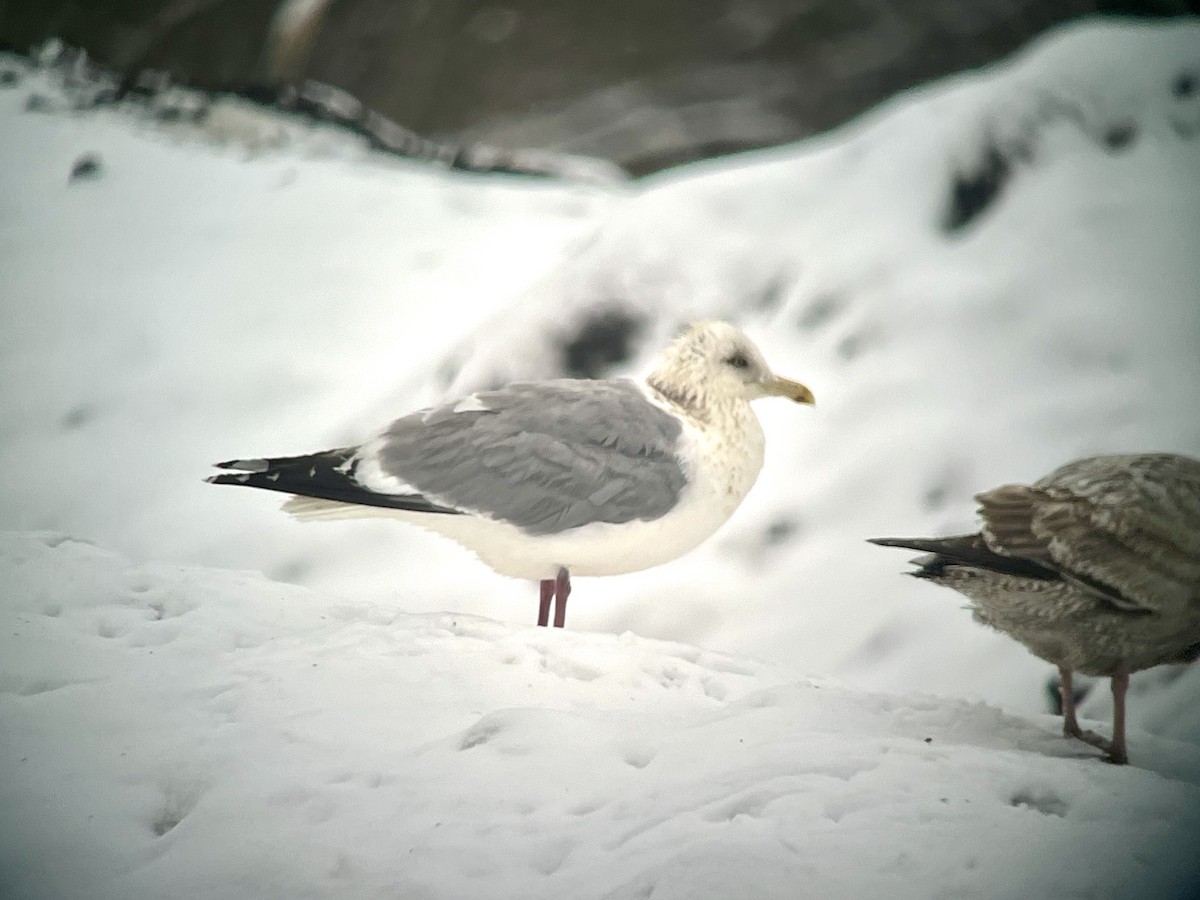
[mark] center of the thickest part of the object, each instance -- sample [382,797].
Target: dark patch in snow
[1185,85]
[77,416]
[108,630]
[1120,135]
[9,78]
[1184,129]
[480,733]
[771,294]
[820,312]
[38,103]
[57,539]
[779,531]
[292,571]
[945,487]
[639,758]
[86,168]
[166,821]
[976,188]
[935,497]
[448,369]
[604,340]
[179,799]
[32,687]
[170,114]
[852,345]
[1047,803]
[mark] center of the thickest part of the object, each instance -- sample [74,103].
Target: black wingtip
[906,543]
[244,465]
[227,479]
[969,550]
[328,475]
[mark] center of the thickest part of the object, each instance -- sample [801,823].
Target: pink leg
[547,585]
[1114,748]
[1117,753]
[1066,691]
[562,590]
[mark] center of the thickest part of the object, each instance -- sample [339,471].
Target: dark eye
[739,361]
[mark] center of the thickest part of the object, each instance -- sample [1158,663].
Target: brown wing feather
[1008,512]
[1124,527]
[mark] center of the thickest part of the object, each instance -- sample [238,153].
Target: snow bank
[216,734]
[981,280]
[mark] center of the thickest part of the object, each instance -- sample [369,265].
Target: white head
[714,360]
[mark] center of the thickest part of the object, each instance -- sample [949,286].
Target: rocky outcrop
[643,85]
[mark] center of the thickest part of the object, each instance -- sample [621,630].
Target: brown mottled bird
[1095,568]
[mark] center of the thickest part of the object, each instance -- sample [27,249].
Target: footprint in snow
[1046,802]
[178,800]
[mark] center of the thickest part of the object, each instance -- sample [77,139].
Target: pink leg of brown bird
[1071,723]
[1066,693]
[562,590]
[547,585]
[1117,752]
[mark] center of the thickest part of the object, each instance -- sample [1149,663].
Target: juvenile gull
[1095,568]
[547,479]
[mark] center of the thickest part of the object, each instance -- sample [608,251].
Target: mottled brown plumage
[1095,568]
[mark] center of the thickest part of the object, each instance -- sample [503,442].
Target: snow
[227,735]
[374,717]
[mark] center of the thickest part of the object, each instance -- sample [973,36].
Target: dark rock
[9,78]
[643,85]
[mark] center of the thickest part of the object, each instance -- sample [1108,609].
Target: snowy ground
[184,732]
[220,732]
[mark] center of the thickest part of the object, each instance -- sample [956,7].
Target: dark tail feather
[326,476]
[964,550]
[946,546]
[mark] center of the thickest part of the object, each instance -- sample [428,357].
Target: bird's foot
[1114,754]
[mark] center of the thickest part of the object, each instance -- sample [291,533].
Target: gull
[545,479]
[1095,568]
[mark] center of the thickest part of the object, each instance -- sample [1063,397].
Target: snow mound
[980,167]
[169,304]
[217,734]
